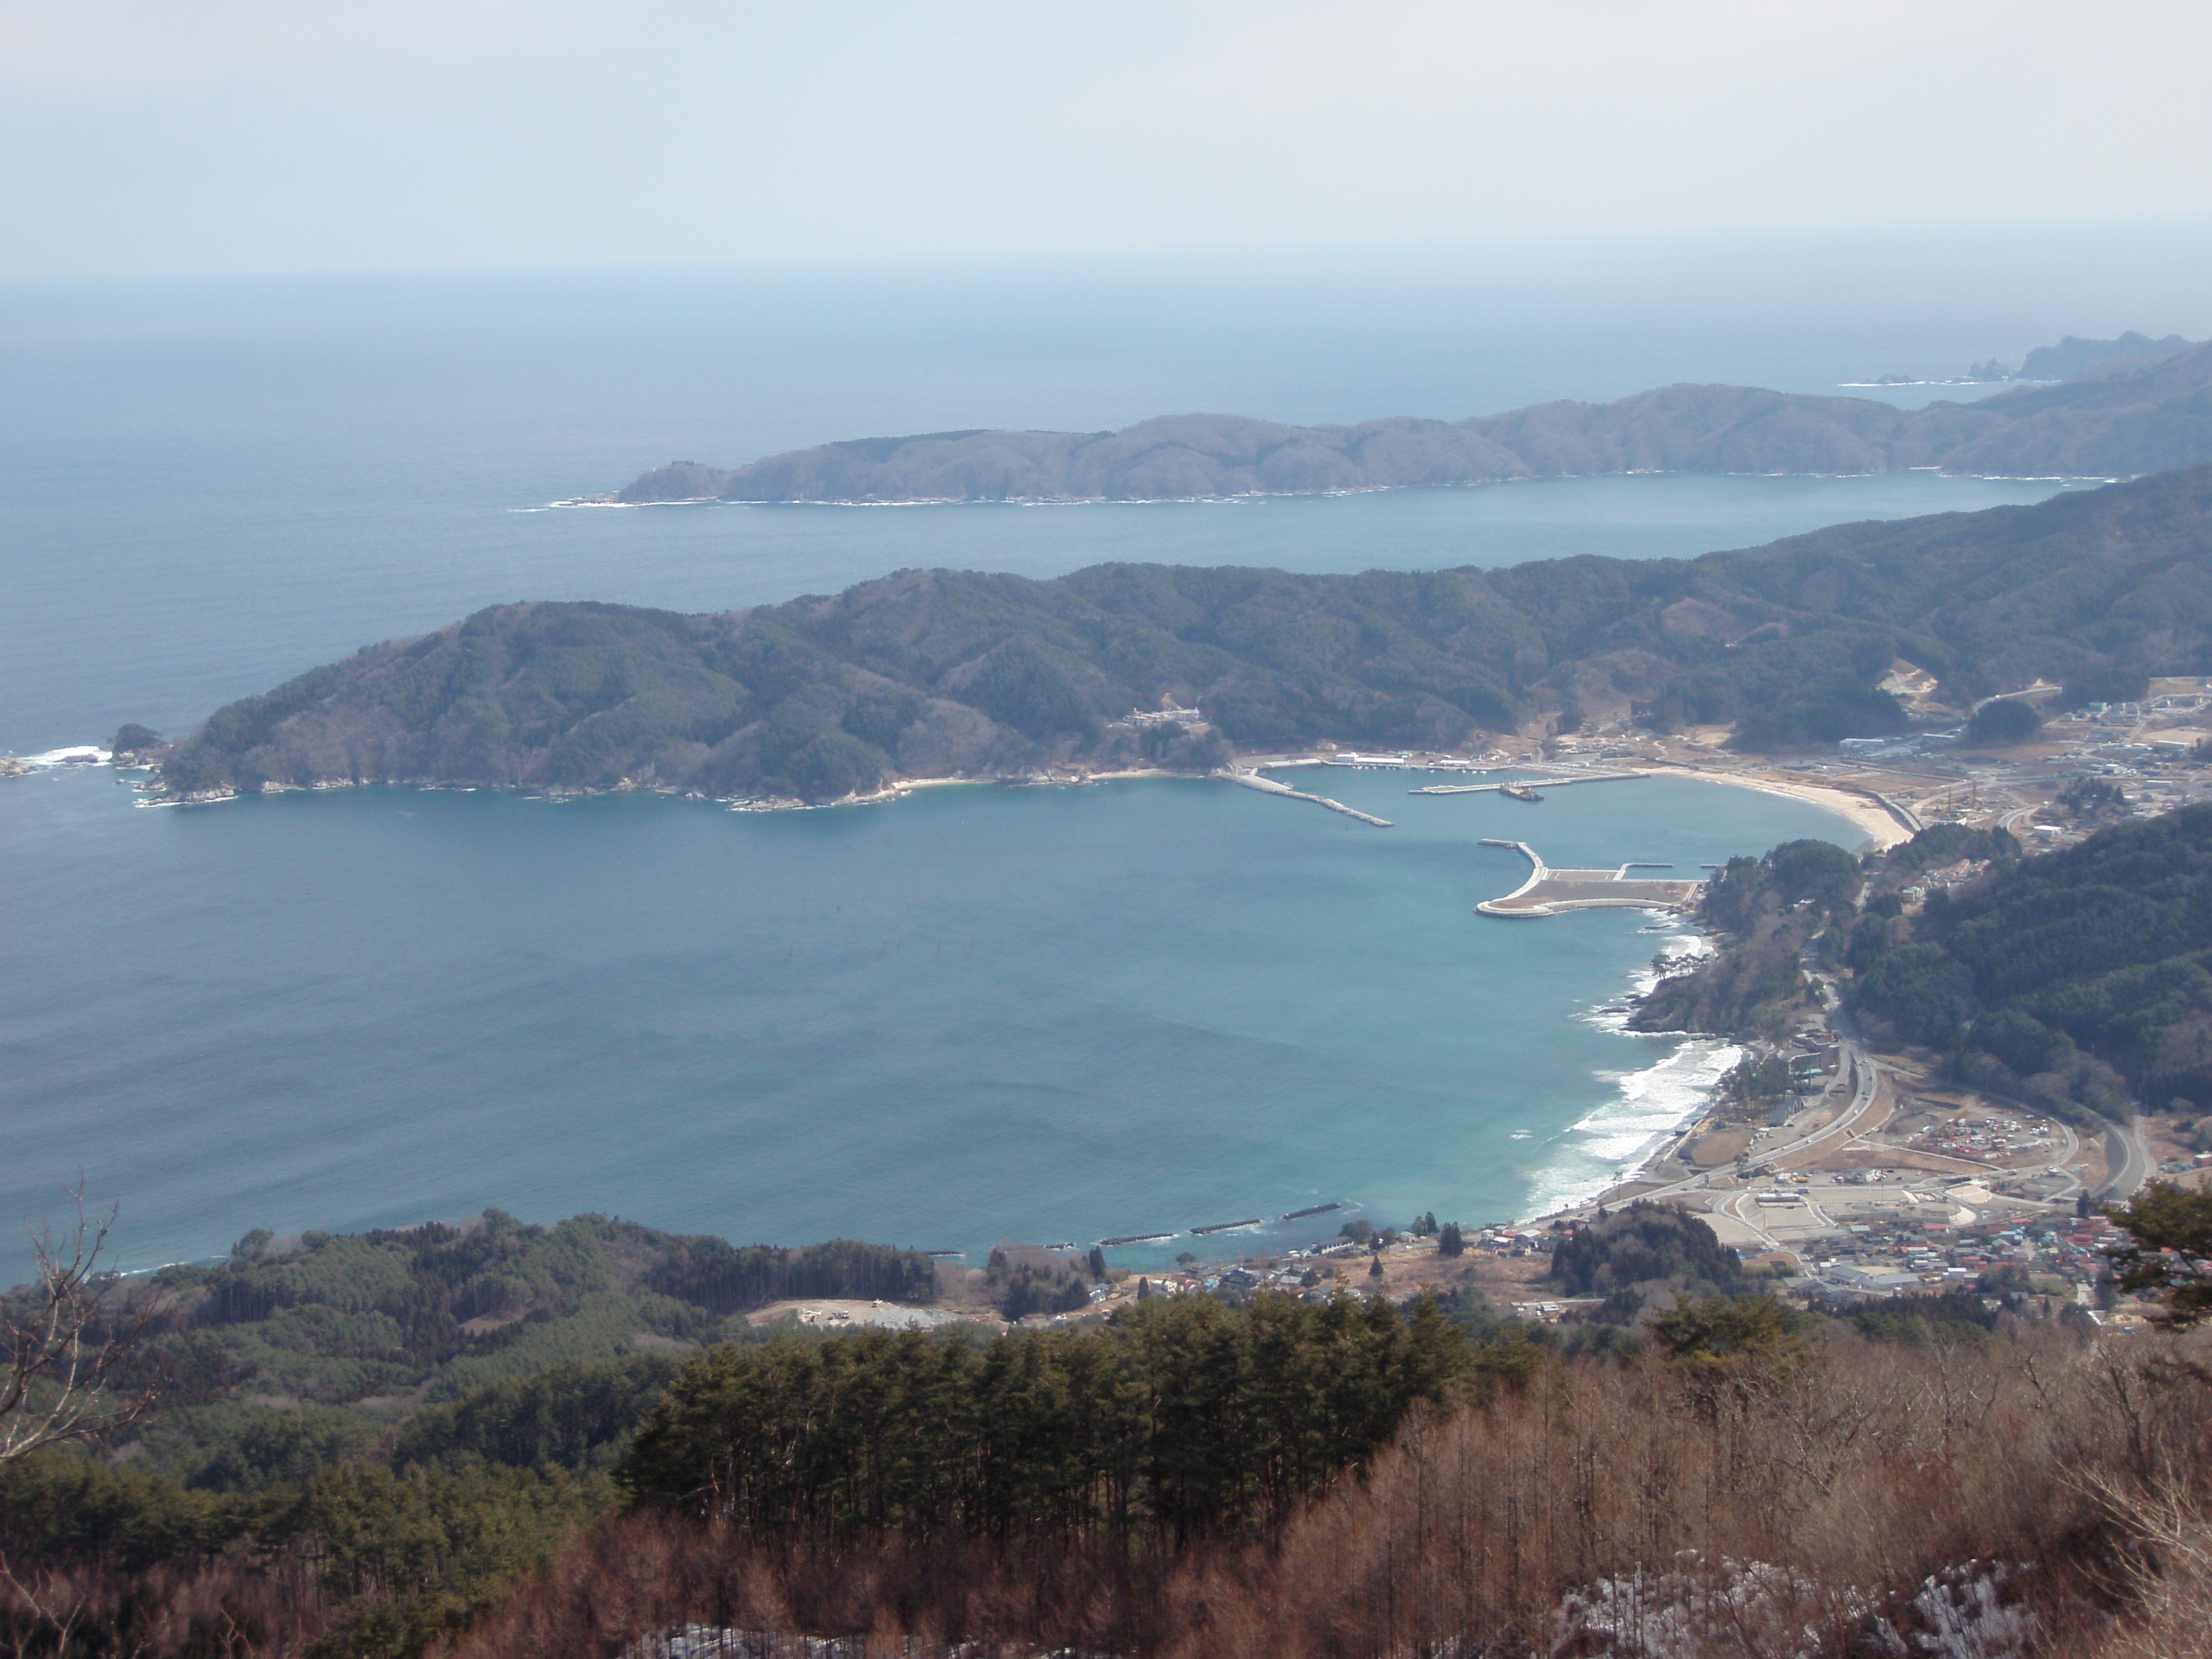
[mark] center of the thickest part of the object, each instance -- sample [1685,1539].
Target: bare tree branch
[64,1340]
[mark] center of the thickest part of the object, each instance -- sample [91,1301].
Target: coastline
[1880,825]
[614,498]
[1656,1142]
[895,789]
[1861,810]
[1882,828]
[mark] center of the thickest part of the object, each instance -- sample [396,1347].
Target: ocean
[972,1014]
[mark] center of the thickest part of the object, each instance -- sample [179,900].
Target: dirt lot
[1720,1148]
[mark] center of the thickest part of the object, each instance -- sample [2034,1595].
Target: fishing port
[1548,892]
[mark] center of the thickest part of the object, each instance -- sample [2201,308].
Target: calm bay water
[973,1013]
[976,1013]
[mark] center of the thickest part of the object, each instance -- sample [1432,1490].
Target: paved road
[2134,1171]
[2126,1181]
[1862,1100]
[1734,1209]
[2058,1166]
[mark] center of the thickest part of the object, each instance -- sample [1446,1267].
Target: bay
[972,1013]
[1053,1014]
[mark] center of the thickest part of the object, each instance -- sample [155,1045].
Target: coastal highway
[1863,1096]
[2131,1156]
[2133,1167]
[1862,1100]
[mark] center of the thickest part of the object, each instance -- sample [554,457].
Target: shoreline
[896,790]
[1664,1143]
[1881,825]
[613,497]
[1619,1179]
[1862,811]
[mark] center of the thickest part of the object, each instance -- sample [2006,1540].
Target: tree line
[1179,1419]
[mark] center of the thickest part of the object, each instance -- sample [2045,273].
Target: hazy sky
[177,135]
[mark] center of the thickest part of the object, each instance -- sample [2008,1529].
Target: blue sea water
[970,1014]
[1053,1014]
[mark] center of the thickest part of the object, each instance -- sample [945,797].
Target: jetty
[1269,787]
[1548,892]
[1519,788]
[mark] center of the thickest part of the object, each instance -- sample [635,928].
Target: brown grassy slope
[1821,1495]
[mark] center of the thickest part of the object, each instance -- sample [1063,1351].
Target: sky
[150,137]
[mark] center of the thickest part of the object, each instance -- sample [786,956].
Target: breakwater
[1560,781]
[1122,1240]
[1269,787]
[1548,892]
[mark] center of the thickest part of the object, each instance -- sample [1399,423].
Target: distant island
[938,674]
[2131,406]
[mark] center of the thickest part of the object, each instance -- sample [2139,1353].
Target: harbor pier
[1548,892]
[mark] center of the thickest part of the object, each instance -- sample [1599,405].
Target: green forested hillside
[298,1355]
[936,673]
[2076,978]
[1181,1418]
[2078,975]
[1753,986]
[368,1439]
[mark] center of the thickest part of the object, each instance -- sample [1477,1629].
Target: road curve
[2134,1169]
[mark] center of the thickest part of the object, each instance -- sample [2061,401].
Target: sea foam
[1605,1146]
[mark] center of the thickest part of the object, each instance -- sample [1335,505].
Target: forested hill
[296,1353]
[2077,978]
[940,672]
[2127,416]
[2082,976]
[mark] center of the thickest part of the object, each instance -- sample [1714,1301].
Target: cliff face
[2130,416]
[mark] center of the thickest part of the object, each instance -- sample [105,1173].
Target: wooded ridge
[944,673]
[2123,417]
[2075,981]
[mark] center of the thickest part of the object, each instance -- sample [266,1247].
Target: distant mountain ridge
[2073,356]
[2138,414]
[945,673]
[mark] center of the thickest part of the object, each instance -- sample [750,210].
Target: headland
[2115,417]
[1780,651]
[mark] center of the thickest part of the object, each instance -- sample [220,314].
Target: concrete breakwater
[1548,892]
[1269,787]
[1559,781]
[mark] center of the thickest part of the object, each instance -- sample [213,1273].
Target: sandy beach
[1881,827]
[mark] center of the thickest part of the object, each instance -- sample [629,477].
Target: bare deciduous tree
[67,1338]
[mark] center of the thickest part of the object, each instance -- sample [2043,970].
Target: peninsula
[2140,410]
[952,674]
